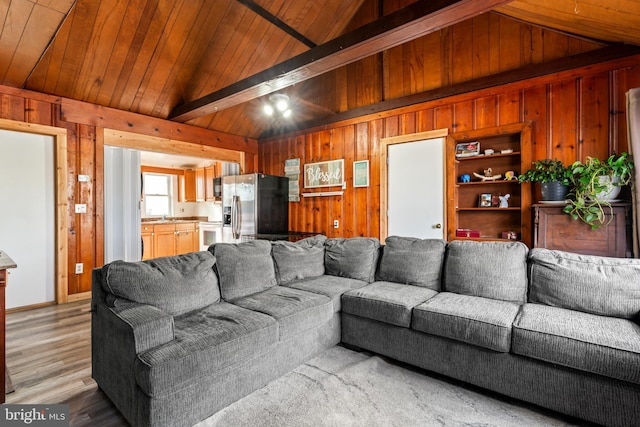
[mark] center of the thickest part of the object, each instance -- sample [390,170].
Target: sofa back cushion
[176,284]
[304,258]
[244,268]
[355,257]
[588,283]
[412,261]
[495,270]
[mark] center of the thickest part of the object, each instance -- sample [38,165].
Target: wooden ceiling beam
[414,21]
[253,6]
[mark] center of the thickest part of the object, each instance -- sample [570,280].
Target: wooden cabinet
[147,241]
[186,238]
[200,185]
[209,175]
[512,152]
[554,229]
[164,240]
[187,186]
[168,239]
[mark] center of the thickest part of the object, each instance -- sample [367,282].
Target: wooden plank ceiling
[153,56]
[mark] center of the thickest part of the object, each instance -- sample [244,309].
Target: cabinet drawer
[159,228]
[186,226]
[147,228]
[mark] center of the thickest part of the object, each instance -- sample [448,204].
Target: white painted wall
[27,216]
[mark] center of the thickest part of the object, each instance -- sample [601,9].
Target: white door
[27,216]
[122,185]
[416,191]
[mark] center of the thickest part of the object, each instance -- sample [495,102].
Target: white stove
[210,233]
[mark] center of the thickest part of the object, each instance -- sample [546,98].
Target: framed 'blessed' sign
[324,174]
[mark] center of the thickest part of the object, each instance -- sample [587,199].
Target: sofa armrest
[149,325]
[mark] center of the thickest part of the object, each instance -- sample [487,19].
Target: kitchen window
[157,194]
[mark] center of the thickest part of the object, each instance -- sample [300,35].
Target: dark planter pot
[554,191]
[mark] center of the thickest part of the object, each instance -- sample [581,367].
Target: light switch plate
[83,178]
[81,208]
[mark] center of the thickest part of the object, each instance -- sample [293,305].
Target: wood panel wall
[85,133]
[575,114]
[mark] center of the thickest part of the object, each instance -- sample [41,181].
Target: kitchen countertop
[6,262]
[173,220]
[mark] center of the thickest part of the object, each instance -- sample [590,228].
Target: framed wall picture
[324,174]
[484,201]
[361,173]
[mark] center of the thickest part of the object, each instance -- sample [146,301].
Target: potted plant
[552,176]
[595,184]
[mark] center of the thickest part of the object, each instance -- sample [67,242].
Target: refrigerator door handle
[235,217]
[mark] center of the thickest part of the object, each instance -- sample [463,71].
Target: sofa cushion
[329,286]
[412,261]
[479,321]
[356,257]
[607,346]
[386,302]
[175,284]
[296,311]
[298,260]
[593,284]
[496,270]
[206,340]
[244,268]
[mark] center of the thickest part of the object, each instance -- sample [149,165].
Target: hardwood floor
[49,361]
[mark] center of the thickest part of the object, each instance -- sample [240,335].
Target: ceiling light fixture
[278,102]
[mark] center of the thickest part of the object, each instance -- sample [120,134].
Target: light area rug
[342,387]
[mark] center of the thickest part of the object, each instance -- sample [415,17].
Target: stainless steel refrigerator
[254,204]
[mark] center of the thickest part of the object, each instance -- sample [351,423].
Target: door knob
[438,226]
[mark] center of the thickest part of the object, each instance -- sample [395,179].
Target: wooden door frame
[61,249]
[402,139]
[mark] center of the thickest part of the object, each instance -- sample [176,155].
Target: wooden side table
[554,229]
[5,264]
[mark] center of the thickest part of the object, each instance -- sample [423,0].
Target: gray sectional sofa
[176,339]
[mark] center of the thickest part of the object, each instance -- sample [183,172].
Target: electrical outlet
[79,268]
[336,223]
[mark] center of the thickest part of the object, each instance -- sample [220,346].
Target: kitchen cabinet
[147,241]
[468,217]
[169,238]
[554,229]
[209,175]
[164,240]
[186,238]
[187,186]
[200,184]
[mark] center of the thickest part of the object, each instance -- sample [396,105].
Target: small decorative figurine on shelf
[509,175]
[464,178]
[504,201]
[488,175]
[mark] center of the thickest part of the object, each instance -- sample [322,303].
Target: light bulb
[286,113]
[268,110]
[281,105]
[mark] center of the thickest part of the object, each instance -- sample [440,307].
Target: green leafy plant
[586,200]
[547,170]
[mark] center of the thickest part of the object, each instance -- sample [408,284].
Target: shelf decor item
[553,177]
[595,184]
[468,149]
[484,200]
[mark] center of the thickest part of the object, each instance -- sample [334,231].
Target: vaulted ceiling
[212,63]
